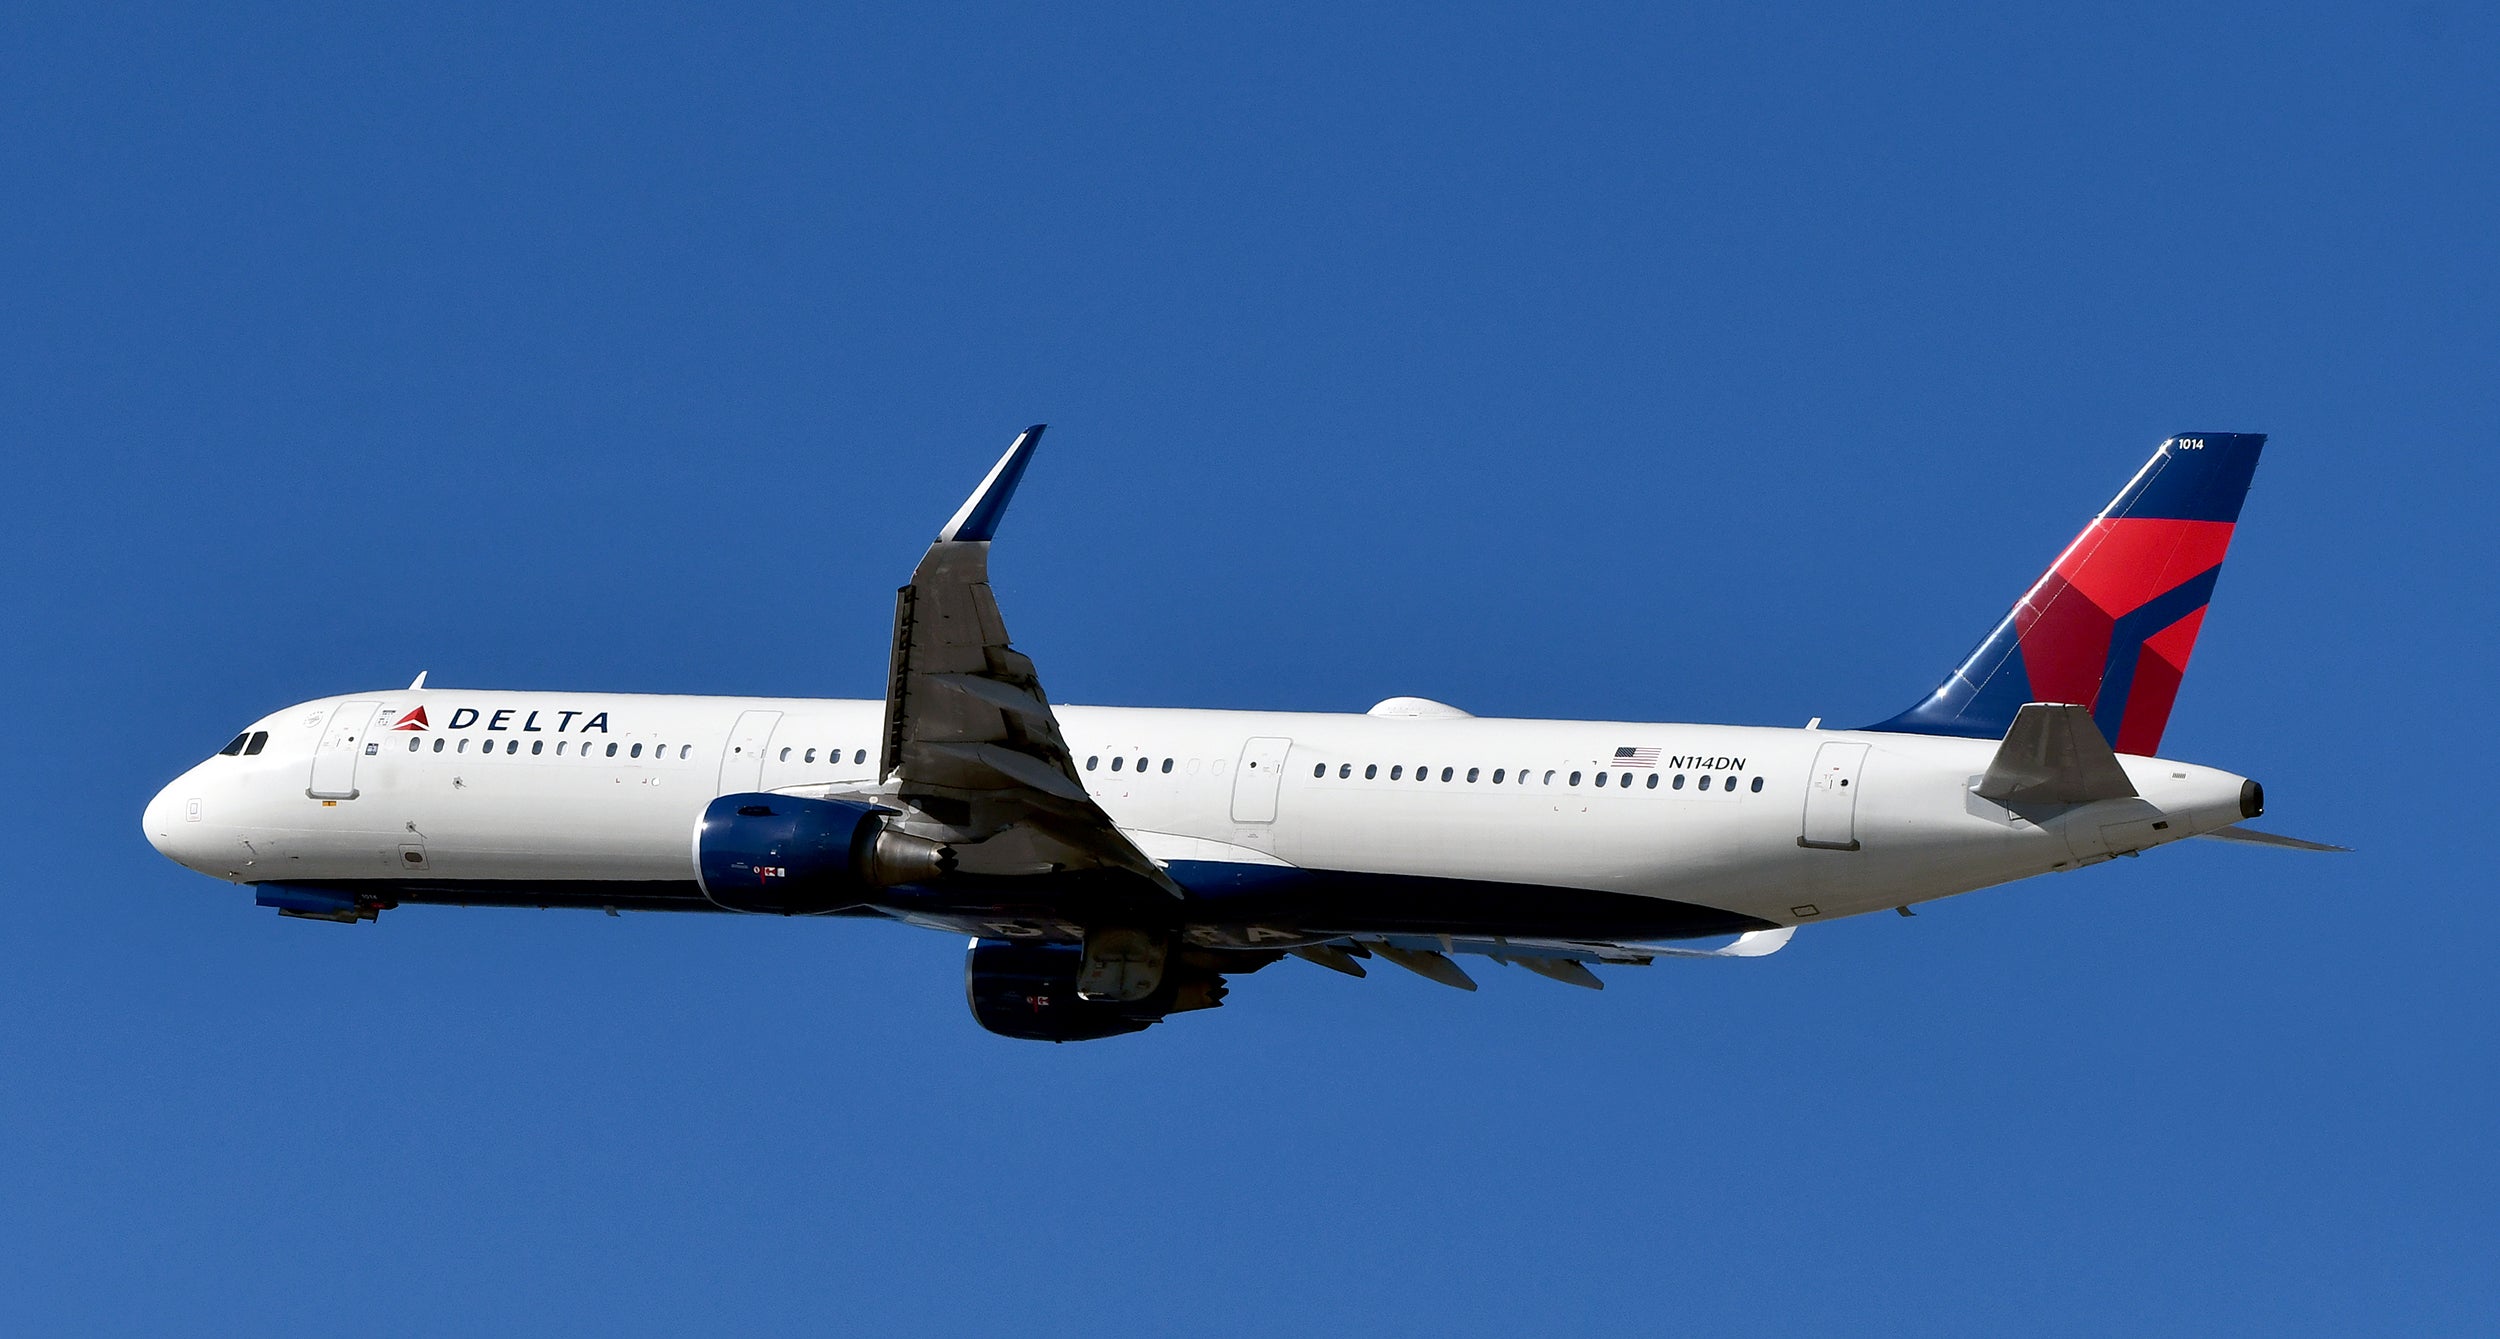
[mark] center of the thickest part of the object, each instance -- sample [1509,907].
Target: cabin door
[1255,780]
[334,761]
[742,758]
[1831,821]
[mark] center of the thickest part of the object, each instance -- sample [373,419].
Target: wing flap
[1021,769]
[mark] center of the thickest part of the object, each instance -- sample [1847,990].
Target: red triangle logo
[414,720]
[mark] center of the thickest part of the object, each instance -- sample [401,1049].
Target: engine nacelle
[1029,990]
[788,856]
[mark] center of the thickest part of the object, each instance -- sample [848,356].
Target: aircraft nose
[153,823]
[166,817]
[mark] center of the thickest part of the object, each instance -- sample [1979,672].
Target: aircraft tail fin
[2111,624]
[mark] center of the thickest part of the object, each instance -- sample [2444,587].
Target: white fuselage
[608,788]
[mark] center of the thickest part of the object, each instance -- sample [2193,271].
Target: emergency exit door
[1255,780]
[742,757]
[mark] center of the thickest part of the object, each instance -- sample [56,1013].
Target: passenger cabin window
[560,747]
[1625,780]
[1344,770]
[415,743]
[1497,776]
[1757,785]
[785,753]
[438,745]
[1397,773]
[461,747]
[1090,761]
[611,750]
[859,757]
[1370,770]
[1575,778]
[1471,775]
[1679,781]
[1601,778]
[1653,781]
[811,756]
[538,746]
[1167,765]
[512,746]
[1117,763]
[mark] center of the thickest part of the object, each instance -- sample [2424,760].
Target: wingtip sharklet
[977,520]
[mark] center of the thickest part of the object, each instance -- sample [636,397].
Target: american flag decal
[1631,757]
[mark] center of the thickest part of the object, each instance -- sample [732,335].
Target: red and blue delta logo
[414,720]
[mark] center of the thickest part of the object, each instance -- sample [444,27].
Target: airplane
[1113,866]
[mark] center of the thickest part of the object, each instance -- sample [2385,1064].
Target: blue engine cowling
[1028,990]
[788,856]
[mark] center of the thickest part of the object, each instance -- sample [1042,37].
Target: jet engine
[1029,990]
[789,856]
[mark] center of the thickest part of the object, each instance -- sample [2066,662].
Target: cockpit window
[236,747]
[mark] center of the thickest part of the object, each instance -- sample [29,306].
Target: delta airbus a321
[1113,865]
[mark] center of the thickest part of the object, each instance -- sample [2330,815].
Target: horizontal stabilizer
[2054,754]
[2256,838]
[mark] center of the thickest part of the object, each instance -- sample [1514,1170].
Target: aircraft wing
[1563,960]
[970,744]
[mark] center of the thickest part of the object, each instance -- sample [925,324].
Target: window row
[1119,763]
[589,750]
[1527,776]
[858,756]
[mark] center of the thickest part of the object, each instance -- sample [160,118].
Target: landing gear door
[1831,820]
[742,759]
[334,761]
[1262,769]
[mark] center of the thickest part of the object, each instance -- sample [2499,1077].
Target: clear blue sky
[1588,364]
